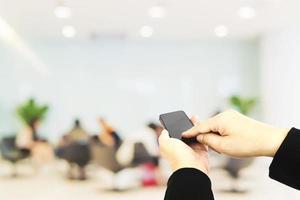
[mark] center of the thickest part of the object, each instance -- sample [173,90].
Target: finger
[199,147]
[163,136]
[203,127]
[195,119]
[212,140]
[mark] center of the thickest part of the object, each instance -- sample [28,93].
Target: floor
[50,184]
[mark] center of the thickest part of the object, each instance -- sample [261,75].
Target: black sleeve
[189,184]
[285,166]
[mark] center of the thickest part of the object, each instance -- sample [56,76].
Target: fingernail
[200,138]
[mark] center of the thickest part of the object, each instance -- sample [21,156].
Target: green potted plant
[30,113]
[243,105]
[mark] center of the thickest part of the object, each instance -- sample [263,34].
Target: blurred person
[156,128]
[42,154]
[134,163]
[29,143]
[28,135]
[141,150]
[148,137]
[77,133]
[161,169]
[232,134]
[74,148]
[108,135]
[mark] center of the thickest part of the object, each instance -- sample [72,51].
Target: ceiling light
[62,12]
[221,31]
[157,12]
[247,12]
[146,31]
[68,31]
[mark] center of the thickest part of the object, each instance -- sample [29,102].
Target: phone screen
[176,123]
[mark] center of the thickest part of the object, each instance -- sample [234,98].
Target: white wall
[280,61]
[129,82]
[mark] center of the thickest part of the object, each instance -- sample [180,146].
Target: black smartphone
[176,123]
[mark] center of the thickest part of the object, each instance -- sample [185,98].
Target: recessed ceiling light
[146,31]
[221,31]
[157,12]
[62,12]
[68,31]
[247,12]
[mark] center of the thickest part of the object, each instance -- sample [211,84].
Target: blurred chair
[141,155]
[76,154]
[139,170]
[233,166]
[12,153]
[105,157]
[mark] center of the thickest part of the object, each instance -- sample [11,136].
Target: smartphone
[176,123]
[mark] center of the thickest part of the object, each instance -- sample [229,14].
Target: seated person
[140,150]
[108,135]
[29,142]
[74,148]
[148,137]
[77,133]
[157,128]
[27,136]
[42,153]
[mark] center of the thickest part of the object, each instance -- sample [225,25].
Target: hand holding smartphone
[176,123]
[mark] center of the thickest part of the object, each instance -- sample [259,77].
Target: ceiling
[185,19]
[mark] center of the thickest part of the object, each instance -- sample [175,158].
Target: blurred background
[82,84]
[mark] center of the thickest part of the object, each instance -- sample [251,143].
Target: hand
[180,155]
[234,134]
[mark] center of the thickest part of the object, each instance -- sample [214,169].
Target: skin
[229,133]
[180,155]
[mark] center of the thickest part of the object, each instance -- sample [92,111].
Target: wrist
[201,168]
[276,137]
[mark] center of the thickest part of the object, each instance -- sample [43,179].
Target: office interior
[114,66]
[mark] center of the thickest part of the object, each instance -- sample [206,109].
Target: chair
[233,167]
[141,155]
[105,157]
[12,153]
[77,153]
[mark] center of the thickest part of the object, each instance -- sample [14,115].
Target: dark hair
[77,122]
[152,125]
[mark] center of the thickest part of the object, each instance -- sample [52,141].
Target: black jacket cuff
[189,183]
[286,163]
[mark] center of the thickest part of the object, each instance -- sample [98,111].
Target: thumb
[163,136]
[206,126]
[212,140]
